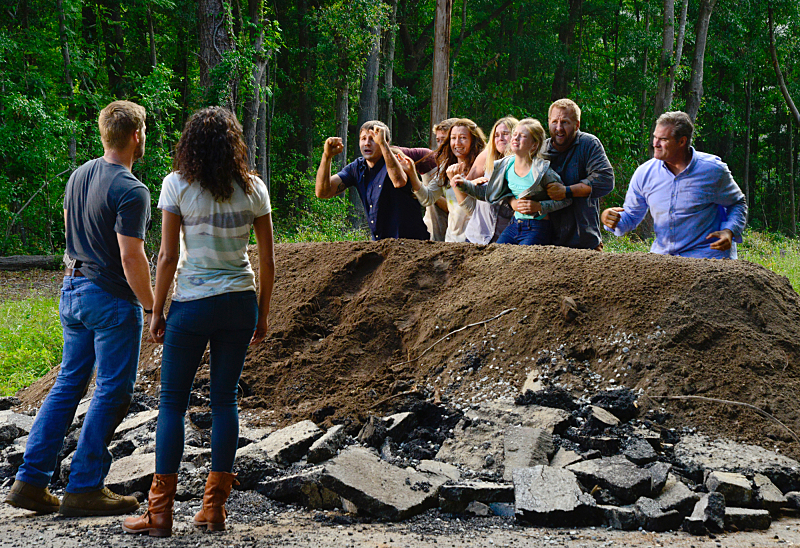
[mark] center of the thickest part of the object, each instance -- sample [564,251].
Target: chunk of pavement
[303,488]
[793,499]
[440,469]
[620,401]
[82,409]
[677,496]
[623,479]
[373,432]
[377,488]
[327,445]
[639,451]
[22,422]
[455,497]
[248,435]
[503,412]
[697,454]
[502,509]
[768,496]
[7,402]
[552,497]
[135,421]
[130,474]
[564,457]
[599,419]
[64,467]
[8,433]
[707,516]
[746,519]
[532,382]
[619,517]
[652,518]
[400,425]
[524,447]
[289,444]
[479,509]
[253,465]
[736,488]
[659,471]
[475,445]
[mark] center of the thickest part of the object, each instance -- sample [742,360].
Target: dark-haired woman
[209,203]
[465,140]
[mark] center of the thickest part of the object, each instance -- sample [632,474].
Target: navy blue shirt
[391,212]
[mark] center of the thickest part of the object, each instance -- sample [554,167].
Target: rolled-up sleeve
[634,208]
[429,193]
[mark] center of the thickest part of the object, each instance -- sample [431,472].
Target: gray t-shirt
[101,201]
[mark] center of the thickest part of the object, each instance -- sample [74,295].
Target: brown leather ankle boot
[157,521]
[218,488]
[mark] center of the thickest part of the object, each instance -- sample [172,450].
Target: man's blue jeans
[527,232]
[227,322]
[99,330]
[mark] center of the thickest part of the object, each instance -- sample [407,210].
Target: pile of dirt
[353,327]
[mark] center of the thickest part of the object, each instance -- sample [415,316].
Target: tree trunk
[748,106]
[701,35]
[252,102]
[261,134]
[214,40]
[678,54]
[791,179]
[665,60]
[62,30]
[566,36]
[305,108]
[368,101]
[643,114]
[387,106]
[114,48]
[441,63]
[781,82]
[152,36]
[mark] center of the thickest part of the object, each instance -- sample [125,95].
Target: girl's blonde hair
[494,154]
[534,127]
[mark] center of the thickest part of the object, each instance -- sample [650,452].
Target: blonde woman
[488,220]
[522,179]
[465,140]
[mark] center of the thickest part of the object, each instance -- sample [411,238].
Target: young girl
[464,142]
[488,220]
[523,178]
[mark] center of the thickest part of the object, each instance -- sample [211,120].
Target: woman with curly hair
[209,204]
[465,140]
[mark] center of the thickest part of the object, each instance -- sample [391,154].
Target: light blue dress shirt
[686,207]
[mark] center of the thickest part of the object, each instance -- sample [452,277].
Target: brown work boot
[102,502]
[157,521]
[37,499]
[218,488]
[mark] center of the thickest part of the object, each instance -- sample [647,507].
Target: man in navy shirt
[392,210]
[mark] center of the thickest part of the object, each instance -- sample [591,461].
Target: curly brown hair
[212,152]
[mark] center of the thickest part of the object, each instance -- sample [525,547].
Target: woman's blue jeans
[227,322]
[527,232]
[101,332]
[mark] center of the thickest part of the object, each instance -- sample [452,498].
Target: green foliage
[774,252]
[30,342]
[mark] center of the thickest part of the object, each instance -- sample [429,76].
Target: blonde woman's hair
[534,127]
[494,155]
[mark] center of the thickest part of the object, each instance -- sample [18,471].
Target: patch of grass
[30,341]
[774,252]
[628,243]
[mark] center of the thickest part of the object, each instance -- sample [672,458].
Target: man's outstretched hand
[724,239]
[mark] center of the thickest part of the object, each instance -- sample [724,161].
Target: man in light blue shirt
[698,209]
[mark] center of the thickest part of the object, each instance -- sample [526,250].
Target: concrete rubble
[586,462]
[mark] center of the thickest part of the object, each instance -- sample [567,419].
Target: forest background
[298,71]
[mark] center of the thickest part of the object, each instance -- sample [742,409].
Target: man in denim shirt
[581,161]
[698,209]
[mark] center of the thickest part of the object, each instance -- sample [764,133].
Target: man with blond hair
[581,161]
[106,285]
[698,209]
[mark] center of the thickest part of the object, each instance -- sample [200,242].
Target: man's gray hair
[682,125]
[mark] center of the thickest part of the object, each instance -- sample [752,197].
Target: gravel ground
[256,521]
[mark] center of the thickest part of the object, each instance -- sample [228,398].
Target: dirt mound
[349,321]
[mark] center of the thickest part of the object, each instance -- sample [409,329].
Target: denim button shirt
[686,207]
